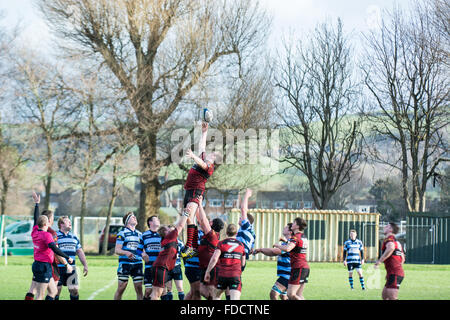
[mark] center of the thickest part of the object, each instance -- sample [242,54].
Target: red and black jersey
[197,176]
[168,254]
[206,248]
[393,264]
[55,270]
[230,263]
[298,254]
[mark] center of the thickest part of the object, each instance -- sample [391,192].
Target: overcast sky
[296,16]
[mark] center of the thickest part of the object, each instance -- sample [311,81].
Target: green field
[327,281]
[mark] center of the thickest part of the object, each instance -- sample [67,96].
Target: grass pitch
[327,281]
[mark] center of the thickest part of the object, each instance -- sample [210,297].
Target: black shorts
[134,271]
[299,276]
[42,271]
[192,274]
[148,280]
[393,281]
[353,266]
[67,279]
[283,281]
[192,195]
[175,274]
[159,276]
[233,283]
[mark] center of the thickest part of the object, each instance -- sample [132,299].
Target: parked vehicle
[113,230]
[18,234]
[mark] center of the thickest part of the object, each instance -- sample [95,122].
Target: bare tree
[321,133]
[43,101]
[12,160]
[158,51]
[407,75]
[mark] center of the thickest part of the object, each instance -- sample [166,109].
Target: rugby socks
[74,297]
[169,296]
[56,297]
[181,295]
[191,230]
[49,298]
[350,280]
[29,296]
[228,297]
[361,280]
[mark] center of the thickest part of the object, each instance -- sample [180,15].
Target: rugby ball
[207,115]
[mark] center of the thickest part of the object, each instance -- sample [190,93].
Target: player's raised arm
[37,200]
[202,143]
[244,205]
[202,218]
[197,159]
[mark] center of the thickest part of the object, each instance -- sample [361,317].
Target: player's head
[153,223]
[129,219]
[217,224]
[232,230]
[287,232]
[163,231]
[353,234]
[64,224]
[299,224]
[50,215]
[214,157]
[42,221]
[391,227]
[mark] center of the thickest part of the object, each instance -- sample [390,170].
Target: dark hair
[301,223]
[290,226]
[47,213]
[161,231]
[394,227]
[125,217]
[232,230]
[150,219]
[217,224]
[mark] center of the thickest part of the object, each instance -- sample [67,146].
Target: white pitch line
[92,296]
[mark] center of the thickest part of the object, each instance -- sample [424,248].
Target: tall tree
[43,101]
[407,74]
[158,51]
[321,134]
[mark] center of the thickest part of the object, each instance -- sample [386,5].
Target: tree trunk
[3,198]
[114,193]
[83,213]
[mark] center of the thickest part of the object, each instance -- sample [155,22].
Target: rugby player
[206,249]
[176,274]
[152,246]
[297,247]
[197,177]
[283,265]
[354,258]
[130,249]
[70,245]
[246,234]
[230,259]
[393,256]
[191,264]
[167,257]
